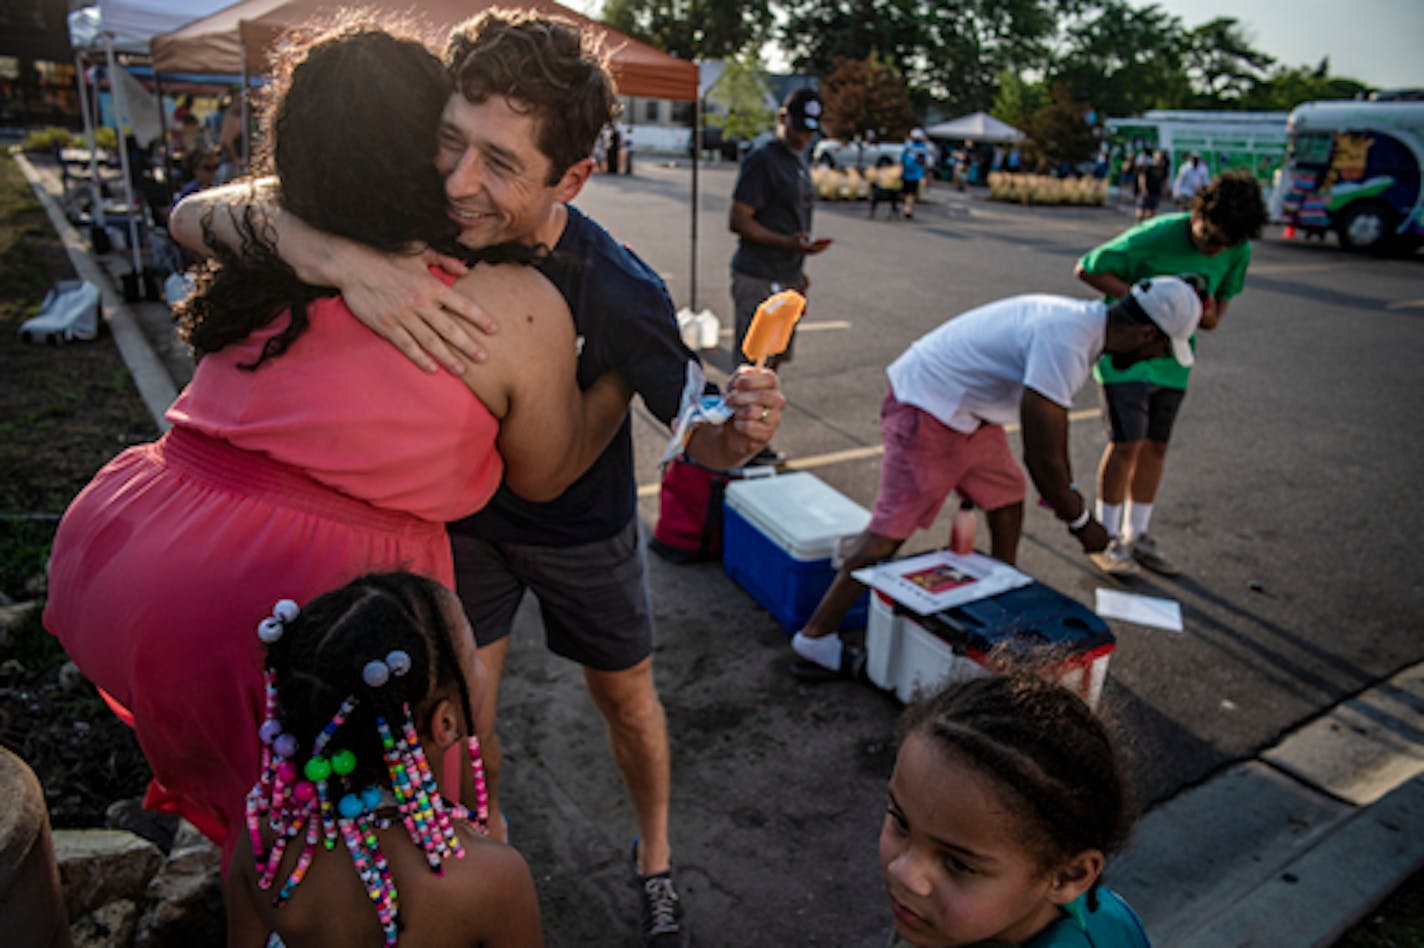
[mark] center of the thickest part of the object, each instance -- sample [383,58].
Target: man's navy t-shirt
[624,320]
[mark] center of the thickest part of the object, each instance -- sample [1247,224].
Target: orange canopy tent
[236,40]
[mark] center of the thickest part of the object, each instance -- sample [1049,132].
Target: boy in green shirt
[1212,243]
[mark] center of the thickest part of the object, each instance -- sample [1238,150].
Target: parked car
[833,153]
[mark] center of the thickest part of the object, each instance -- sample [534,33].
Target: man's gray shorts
[593,597]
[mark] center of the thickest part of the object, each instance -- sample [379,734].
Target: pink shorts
[925,460]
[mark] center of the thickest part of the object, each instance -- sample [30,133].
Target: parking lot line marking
[861,454]
[1405,304]
[1274,268]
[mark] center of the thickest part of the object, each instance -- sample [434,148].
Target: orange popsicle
[770,331]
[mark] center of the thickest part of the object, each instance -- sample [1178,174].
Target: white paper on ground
[1144,610]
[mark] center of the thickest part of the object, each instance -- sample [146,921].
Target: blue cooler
[909,653]
[780,538]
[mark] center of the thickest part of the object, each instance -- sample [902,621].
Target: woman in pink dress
[307,451]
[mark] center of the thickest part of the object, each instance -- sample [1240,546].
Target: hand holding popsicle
[770,331]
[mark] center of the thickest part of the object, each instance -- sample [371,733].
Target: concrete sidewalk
[1288,848]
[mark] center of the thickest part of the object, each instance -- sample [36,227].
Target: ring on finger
[764,412]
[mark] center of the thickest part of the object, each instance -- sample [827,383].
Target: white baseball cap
[1174,306]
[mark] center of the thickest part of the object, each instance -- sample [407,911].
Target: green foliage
[1059,130]
[950,52]
[1289,86]
[1125,60]
[866,96]
[1018,101]
[740,95]
[692,29]
[48,139]
[1220,61]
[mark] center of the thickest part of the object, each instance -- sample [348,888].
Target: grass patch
[64,412]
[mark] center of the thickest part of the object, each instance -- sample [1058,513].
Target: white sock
[824,651]
[1138,516]
[1110,516]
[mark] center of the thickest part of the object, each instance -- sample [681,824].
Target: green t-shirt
[1162,246]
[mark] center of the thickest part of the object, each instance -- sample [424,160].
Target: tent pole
[121,112]
[96,196]
[246,121]
[696,163]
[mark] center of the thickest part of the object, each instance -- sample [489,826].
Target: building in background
[36,64]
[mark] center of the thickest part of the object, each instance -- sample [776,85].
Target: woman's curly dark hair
[349,128]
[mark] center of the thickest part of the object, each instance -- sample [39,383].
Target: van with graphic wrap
[1353,167]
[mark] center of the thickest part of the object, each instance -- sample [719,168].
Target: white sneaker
[1116,559]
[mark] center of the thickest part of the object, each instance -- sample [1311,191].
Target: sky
[1378,42]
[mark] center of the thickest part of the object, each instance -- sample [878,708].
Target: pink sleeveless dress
[337,458]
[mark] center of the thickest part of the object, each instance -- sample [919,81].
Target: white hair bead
[286,610]
[269,630]
[375,674]
[399,662]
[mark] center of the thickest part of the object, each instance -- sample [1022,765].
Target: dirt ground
[64,411]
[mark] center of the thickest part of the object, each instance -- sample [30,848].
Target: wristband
[1081,520]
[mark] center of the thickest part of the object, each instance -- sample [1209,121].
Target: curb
[1295,846]
[154,384]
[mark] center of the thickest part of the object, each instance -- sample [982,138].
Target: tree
[866,96]
[1221,63]
[1125,60]
[1289,86]
[1059,130]
[692,29]
[1018,101]
[949,51]
[740,95]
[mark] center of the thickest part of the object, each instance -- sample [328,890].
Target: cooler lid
[1030,618]
[799,512]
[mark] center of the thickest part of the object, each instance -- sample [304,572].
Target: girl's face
[954,868]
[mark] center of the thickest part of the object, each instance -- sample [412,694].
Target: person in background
[1151,179]
[951,394]
[914,164]
[1006,802]
[771,216]
[1212,244]
[1190,179]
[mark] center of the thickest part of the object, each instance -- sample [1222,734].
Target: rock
[71,679]
[109,926]
[31,903]
[183,904]
[157,828]
[12,616]
[99,866]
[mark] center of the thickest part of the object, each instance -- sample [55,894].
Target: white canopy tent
[124,26]
[976,127]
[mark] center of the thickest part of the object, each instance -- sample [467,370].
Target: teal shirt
[1113,925]
[1162,246]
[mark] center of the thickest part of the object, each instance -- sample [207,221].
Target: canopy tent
[977,127]
[124,26]
[236,40]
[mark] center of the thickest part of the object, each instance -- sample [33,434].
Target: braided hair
[1051,755]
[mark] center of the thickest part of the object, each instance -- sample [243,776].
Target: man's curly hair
[1232,203]
[546,66]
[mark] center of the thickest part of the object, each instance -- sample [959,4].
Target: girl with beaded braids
[365,688]
[1005,802]
[306,450]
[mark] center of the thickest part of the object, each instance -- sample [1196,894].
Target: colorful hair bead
[375,674]
[285,745]
[343,762]
[317,769]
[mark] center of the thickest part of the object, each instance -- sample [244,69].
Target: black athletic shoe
[662,922]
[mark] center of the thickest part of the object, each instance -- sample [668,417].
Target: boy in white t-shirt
[1020,359]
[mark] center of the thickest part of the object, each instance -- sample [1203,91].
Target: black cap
[803,110]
